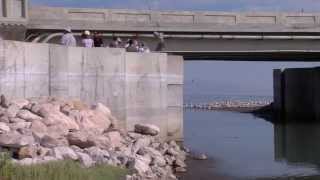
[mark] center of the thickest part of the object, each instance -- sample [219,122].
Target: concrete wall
[135,86]
[297,93]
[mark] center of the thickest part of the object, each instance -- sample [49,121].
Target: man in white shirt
[68,38]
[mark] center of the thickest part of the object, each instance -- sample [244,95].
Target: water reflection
[246,147]
[297,143]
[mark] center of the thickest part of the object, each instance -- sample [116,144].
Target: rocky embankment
[241,106]
[41,130]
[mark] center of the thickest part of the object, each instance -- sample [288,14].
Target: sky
[214,5]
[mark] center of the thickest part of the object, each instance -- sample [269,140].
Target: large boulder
[15,140]
[80,139]
[52,116]
[147,129]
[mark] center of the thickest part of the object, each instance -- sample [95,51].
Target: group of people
[96,40]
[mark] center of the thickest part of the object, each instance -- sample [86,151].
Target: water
[247,147]
[242,146]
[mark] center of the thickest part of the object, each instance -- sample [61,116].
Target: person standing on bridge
[161,44]
[87,41]
[98,40]
[68,38]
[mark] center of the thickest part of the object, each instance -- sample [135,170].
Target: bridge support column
[297,93]
[278,91]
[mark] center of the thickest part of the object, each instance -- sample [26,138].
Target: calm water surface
[246,147]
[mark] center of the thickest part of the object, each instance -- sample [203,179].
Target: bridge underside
[305,56]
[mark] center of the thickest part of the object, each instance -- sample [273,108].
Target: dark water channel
[242,146]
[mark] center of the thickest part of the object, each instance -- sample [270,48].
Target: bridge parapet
[172,21]
[13,12]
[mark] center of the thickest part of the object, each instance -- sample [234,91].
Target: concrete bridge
[193,34]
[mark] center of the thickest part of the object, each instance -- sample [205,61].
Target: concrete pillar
[175,69]
[316,91]
[277,90]
[298,92]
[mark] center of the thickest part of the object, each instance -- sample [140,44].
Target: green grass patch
[61,170]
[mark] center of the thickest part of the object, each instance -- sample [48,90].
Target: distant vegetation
[62,170]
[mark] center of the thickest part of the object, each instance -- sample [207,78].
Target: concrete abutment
[137,87]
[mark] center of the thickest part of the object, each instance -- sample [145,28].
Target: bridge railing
[178,18]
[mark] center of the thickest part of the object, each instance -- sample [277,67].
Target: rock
[180,170]
[43,152]
[51,142]
[20,125]
[196,156]
[80,139]
[157,157]
[28,116]
[15,140]
[85,159]
[16,120]
[180,163]
[20,103]
[147,129]
[140,165]
[4,118]
[101,141]
[115,139]
[27,152]
[4,127]
[64,153]
[13,110]
[172,151]
[53,117]
[94,120]
[134,135]
[79,105]
[38,128]
[98,155]
[140,143]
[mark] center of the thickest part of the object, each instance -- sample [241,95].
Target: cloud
[215,5]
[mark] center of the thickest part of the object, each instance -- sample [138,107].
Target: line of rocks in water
[225,105]
[45,129]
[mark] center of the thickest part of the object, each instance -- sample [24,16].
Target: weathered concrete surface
[138,87]
[175,69]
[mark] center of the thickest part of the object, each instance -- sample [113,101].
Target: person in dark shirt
[97,39]
[132,46]
[116,42]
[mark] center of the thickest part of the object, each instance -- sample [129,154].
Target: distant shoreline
[236,106]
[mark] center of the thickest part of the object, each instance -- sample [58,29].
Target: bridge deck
[267,55]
